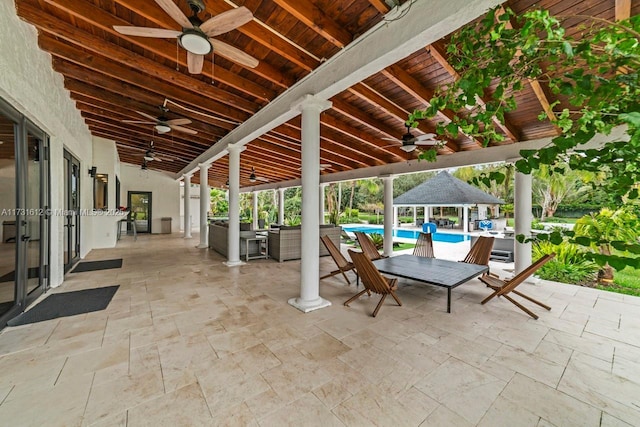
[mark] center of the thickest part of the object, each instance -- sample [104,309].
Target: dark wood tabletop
[434,271]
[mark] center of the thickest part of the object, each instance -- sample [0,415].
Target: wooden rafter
[535,84]
[623,9]
[438,54]
[400,77]
[380,6]
[314,18]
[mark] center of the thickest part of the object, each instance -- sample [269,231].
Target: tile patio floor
[187,341]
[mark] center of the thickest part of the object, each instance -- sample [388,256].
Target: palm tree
[603,228]
[551,187]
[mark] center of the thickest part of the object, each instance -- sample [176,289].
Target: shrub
[377,240]
[568,266]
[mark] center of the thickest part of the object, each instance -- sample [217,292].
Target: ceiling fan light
[195,42]
[252,177]
[148,158]
[408,148]
[162,128]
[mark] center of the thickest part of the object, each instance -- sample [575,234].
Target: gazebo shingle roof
[445,189]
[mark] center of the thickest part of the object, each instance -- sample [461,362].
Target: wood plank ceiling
[113,77]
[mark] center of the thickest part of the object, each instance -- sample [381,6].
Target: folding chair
[503,288]
[372,280]
[367,246]
[480,252]
[338,258]
[424,246]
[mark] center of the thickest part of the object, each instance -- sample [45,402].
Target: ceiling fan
[150,154]
[196,35]
[162,124]
[409,141]
[254,178]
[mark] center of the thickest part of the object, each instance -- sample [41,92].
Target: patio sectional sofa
[286,243]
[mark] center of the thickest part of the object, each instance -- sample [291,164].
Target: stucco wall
[165,193]
[29,84]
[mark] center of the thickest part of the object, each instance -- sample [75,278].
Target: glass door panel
[34,214]
[140,210]
[72,210]
[8,252]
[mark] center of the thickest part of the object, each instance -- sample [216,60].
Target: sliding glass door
[24,212]
[72,210]
[8,252]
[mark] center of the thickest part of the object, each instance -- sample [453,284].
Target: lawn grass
[402,246]
[625,281]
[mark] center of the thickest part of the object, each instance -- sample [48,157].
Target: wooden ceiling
[112,77]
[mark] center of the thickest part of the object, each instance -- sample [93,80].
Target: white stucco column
[254,195]
[396,217]
[281,206]
[523,217]
[205,202]
[233,235]
[309,298]
[465,218]
[415,215]
[187,205]
[322,187]
[427,213]
[390,215]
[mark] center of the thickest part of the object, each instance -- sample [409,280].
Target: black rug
[67,304]
[97,265]
[10,277]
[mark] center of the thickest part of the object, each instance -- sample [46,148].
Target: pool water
[413,234]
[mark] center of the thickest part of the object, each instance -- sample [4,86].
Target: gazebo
[445,190]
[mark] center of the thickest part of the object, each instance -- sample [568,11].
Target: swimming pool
[413,234]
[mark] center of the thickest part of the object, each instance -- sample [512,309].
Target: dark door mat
[11,277]
[67,304]
[97,265]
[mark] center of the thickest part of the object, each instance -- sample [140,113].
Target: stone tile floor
[187,341]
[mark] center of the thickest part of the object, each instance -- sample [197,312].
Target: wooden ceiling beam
[328,154]
[380,6]
[136,134]
[329,149]
[110,90]
[370,95]
[314,18]
[359,116]
[623,9]
[199,144]
[266,37]
[537,88]
[100,18]
[204,130]
[139,68]
[413,87]
[129,79]
[47,23]
[440,56]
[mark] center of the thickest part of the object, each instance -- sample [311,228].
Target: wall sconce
[93,171]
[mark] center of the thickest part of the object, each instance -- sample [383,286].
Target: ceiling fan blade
[234,54]
[175,12]
[178,122]
[391,139]
[195,62]
[260,178]
[148,116]
[183,129]
[226,21]
[146,32]
[139,122]
[428,142]
[426,136]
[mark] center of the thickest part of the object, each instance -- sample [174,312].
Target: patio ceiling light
[195,42]
[408,148]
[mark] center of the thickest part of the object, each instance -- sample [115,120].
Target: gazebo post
[465,218]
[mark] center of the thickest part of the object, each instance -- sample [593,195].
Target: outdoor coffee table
[438,272]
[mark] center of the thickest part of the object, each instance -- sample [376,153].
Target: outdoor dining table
[434,271]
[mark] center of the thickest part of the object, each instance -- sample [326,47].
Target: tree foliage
[596,77]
